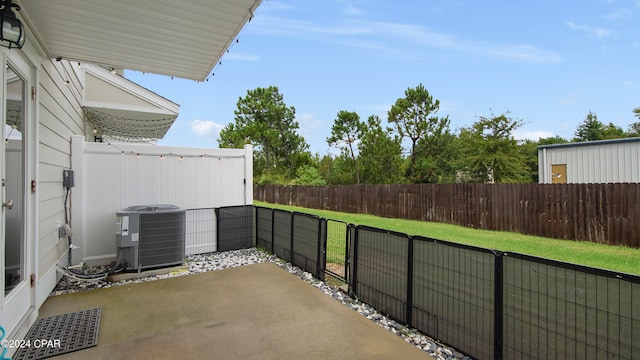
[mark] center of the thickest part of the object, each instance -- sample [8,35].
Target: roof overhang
[171,37]
[591,143]
[119,108]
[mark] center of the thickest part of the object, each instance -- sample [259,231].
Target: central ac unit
[149,236]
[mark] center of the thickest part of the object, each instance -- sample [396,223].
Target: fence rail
[602,213]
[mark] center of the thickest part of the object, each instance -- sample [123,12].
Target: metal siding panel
[577,171]
[603,167]
[635,163]
[628,159]
[612,164]
[588,164]
[617,162]
[577,163]
[619,170]
[590,159]
[542,171]
[632,156]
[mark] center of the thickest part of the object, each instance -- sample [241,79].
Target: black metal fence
[493,305]
[264,228]
[296,237]
[381,271]
[235,227]
[487,304]
[337,249]
[454,292]
[565,311]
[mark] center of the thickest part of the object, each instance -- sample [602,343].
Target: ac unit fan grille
[161,239]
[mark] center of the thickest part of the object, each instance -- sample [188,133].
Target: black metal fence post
[217,213]
[354,265]
[322,253]
[498,303]
[409,281]
[291,254]
[347,254]
[256,229]
[273,222]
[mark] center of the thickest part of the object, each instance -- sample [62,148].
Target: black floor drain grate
[61,334]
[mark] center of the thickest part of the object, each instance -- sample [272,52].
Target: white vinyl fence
[201,231]
[110,177]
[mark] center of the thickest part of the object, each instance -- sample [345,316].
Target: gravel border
[234,258]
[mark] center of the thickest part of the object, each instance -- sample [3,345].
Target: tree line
[370,153]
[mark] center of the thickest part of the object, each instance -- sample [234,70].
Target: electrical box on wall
[67,178]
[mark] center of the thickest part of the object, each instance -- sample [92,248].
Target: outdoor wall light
[11,29]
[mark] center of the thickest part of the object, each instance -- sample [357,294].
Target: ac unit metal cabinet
[150,236]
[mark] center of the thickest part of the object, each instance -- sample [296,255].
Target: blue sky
[548,63]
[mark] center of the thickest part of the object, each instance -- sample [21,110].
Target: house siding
[60,116]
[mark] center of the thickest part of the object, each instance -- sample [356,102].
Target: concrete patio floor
[250,312]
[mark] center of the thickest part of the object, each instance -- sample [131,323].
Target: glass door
[17,296]
[13,182]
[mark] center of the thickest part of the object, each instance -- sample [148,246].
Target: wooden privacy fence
[602,213]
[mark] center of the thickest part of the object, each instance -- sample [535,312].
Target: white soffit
[176,38]
[118,107]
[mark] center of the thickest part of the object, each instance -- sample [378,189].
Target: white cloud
[516,53]
[314,131]
[275,6]
[206,129]
[352,10]
[301,28]
[632,84]
[242,57]
[532,134]
[598,32]
[385,39]
[309,124]
[621,14]
[568,100]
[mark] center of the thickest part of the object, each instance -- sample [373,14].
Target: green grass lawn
[617,258]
